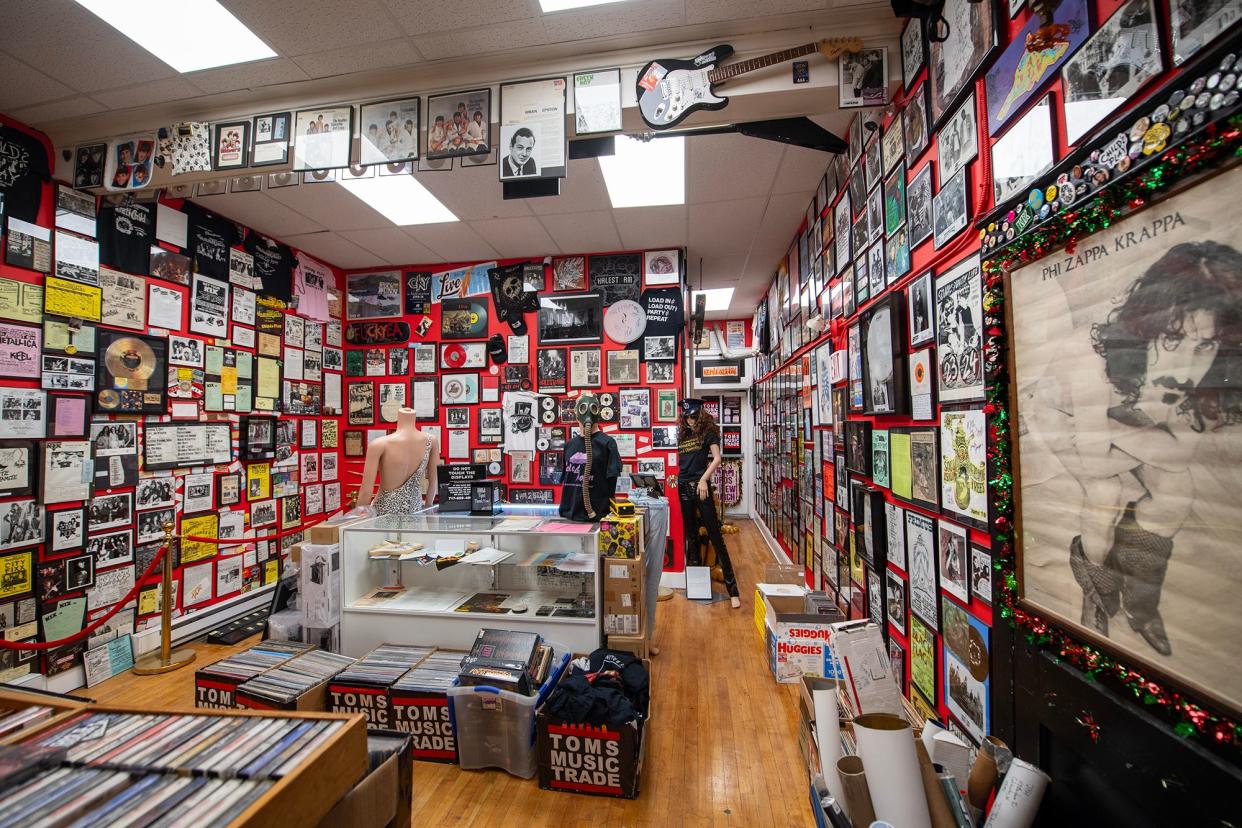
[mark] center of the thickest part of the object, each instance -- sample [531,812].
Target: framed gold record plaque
[131,374]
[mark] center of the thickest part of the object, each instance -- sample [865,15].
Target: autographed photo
[1125,370]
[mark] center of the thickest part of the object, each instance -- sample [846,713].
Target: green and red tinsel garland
[1210,150]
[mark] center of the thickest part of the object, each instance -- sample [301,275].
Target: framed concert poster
[959,331]
[1127,480]
[953,62]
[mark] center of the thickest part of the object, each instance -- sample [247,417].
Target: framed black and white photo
[150,526]
[949,209]
[198,494]
[533,143]
[459,124]
[923,568]
[664,437]
[841,231]
[230,147]
[552,370]
[66,529]
[919,303]
[958,141]
[23,414]
[585,368]
[79,572]
[981,573]
[152,492]
[571,318]
[875,215]
[597,101]
[914,124]
[862,78]
[388,131]
[959,332]
[919,200]
[884,335]
[660,373]
[953,559]
[1110,68]
[623,367]
[892,145]
[111,548]
[913,53]
[875,268]
[373,295]
[271,139]
[66,474]
[1023,153]
[323,138]
[209,307]
[109,511]
[895,600]
[953,62]
[185,350]
[1196,23]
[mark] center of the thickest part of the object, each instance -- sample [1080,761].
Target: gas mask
[586,412]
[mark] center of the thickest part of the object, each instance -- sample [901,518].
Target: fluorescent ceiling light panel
[402,199]
[562,5]
[188,35]
[646,174]
[718,299]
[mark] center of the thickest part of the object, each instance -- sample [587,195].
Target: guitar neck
[723,73]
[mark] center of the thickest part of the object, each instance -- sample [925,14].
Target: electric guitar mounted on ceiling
[668,91]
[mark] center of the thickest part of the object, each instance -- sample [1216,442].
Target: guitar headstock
[835,47]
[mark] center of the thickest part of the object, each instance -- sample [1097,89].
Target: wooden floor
[722,747]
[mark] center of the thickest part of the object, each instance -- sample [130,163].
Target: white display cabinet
[548,581]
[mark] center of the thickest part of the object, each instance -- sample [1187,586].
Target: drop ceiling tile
[169,89]
[516,237]
[24,86]
[75,47]
[57,110]
[718,271]
[708,11]
[723,167]
[253,75]
[484,40]
[781,218]
[588,232]
[610,20]
[333,62]
[331,206]
[423,17]
[391,244]
[725,227]
[335,250]
[453,242]
[258,210]
[800,170]
[473,192]
[298,27]
[582,190]
[651,227]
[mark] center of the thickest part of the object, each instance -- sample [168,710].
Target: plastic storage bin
[496,728]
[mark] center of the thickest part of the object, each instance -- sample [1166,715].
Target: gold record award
[131,362]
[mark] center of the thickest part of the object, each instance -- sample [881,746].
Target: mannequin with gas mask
[592,466]
[698,457]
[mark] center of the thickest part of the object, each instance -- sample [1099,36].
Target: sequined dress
[408,497]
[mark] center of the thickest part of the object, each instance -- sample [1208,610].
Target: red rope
[90,628]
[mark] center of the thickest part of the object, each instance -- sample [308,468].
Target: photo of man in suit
[520,162]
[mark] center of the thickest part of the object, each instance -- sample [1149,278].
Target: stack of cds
[258,659]
[384,665]
[436,673]
[13,720]
[293,678]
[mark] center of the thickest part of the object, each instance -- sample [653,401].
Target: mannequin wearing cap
[405,463]
[698,457]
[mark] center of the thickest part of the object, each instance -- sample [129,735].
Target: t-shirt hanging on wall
[665,316]
[521,420]
[211,236]
[126,233]
[23,170]
[273,265]
[311,280]
[605,469]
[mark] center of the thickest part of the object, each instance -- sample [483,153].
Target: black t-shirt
[665,317]
[211,236]
[273,264]
[126,233]
[23,171]
[694,454]
[605,469]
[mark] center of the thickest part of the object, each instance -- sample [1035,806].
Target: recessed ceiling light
[718,299]
[402,199]
[188,35]
[562,5]
[646,173]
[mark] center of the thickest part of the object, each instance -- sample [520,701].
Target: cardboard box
[799,644]
[621,537]
[625,610]
[212,690]
[586,759]
[319,584]
[314,699]
[372,803]
[636,644]
[329,532]
[425,716]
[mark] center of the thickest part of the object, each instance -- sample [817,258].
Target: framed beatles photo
[271,139]
[388,131]
[323,138]
[459,123]
[230,149]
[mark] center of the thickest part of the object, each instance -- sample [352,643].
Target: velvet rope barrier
[90,628]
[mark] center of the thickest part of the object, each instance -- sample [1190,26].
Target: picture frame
[571,318]
[323,138]
[953,556]
[635,408]
[110,511]
[597,102]
[953,64]
[552,370]
[272,133]
[914,124]
[153,492]
[950,210]
[533,147]
[920,307]
[957,143]
[19,466]
[863,78]
[924,680]
[981,573]
[464,318]
[660,373]
[913,55]
[198,493]
[884,335]
[111,548]
[895,201]
[24,413]
[958,294]
[66,530]
[1024,152]
[375,295]
[858,447]
[131,374]
[389,130]
[182,445]
[963,471]
[920,199]
[209,306]
[459,389]
[569,273]
[585,370]
[445,137]
[230,145]
[893,145]
[923,558]
[623,367]
[64,478]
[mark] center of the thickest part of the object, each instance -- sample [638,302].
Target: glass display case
[432,578]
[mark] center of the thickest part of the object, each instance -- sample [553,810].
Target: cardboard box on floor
[625,609]
[383,799]
[799,643]
[219,691]
[635,644]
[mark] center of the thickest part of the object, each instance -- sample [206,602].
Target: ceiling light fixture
[562,5]
[718,299]
[189,35]
[646,173]
[402,199]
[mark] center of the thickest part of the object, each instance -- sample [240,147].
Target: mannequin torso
[400,462]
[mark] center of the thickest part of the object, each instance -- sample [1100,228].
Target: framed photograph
[875,268]
[666,405]
[585,369]
[323,138]
[959,340]
[981,573]
[198,494]
[953,555]
[491,426]
[388,131]
[150,527]
[24,414]
[967,689]
[957,143]
[1196,23]
[230,148]
[895,201]
[897,256]
[913,59]
[953,62]
[660,373]
[923,567]
[271,139]
[551,370]
[110,511]
[65,477]
[919,201]
[950,210]
[919,304]
[635,408]
[858,447]
[841,221]
[893,145]
[1109,69]
[533,143]
[152,492]
[1023,153]
[664,437]
[459,123]
[884,335]
[914,124]
[1013,79]
[111,548]
[373,295]
[623,367]
[873,166]
[597,102]
[574,318]
[66,530]
[863,78]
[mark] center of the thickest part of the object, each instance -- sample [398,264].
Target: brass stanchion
[168,659]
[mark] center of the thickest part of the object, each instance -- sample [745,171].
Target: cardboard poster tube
[1017,801]
[858,805]
[984,773]
[937,807]
[828,736]
[886,747]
